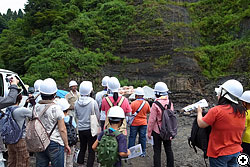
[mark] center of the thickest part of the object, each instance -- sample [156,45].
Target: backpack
[107,149]
[199,137]
[124,124]
[10,131]
[169,122]
[71,132]
[37,138]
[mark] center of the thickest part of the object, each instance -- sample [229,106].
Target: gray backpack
[169,122]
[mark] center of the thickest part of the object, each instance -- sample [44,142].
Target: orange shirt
[227,129]
[141,117]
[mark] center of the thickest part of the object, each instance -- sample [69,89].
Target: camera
[9,78]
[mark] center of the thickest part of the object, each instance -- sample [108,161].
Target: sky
[12,4]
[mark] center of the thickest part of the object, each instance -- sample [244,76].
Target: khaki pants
[68,158]
[18,155]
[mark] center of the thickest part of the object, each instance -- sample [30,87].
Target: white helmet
[113,84]
[63,103]
[37,84]
[48,86]
[231,90]
[139,91]
[161,88]
[72,83]
[116,113]
[85,88]
[245,96]
[105,80]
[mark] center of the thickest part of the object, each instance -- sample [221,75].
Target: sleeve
[122,143]
[10,99]
[96,108]
[100,136]
[76,110]
[74,122]
[127,106]
[104,104]
[152,119]
[60,114]
[26,112]
[210,117]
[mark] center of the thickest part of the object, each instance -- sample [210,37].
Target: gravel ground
[184,155]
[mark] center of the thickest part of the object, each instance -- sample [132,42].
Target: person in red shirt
[227,120]
[139,125]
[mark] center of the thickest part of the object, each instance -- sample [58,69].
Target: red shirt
[141,117]
[125,104]
[227,129]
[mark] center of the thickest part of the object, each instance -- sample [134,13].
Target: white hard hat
[48,86]
[85,88]
[161,88]
[113,84]
[72,83]
[37,84]
[63,103]
[116,112]
[139,91]
[105,80]
[245,96]
[231,90]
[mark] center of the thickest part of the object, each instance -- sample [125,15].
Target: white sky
[12,4]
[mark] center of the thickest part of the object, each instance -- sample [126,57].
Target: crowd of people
[229,119]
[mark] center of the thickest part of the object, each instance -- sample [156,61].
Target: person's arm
[11,98]
[201,123]
[96,108]
[152,119]
[94,146]
[63,133]
[123,154]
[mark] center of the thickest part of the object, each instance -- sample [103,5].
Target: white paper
[202,103]
[150,141]
[136,151]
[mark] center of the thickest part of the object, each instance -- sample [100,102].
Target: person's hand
[128,152]
[14,81]
[67,149]
[199,109]
[149,137]
[171,138]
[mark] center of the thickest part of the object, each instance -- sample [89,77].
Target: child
[115,116]
[72,138]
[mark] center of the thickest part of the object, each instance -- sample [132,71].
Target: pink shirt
[125,104]
[156,112]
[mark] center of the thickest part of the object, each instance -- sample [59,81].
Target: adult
[139,125]
[115,99]
[72,97]
[155,120]
[18,155]
[84,106]
[52,117]
[9,100]
[245,98]
[99,96]
[227,120]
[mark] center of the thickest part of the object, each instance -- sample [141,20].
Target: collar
[112,129]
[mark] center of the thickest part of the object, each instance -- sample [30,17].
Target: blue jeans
[142,136]
[54,153]
[224,161]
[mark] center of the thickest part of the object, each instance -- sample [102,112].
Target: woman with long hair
[227,120]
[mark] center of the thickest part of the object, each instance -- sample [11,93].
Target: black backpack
[71,132]
[199,137]
[169,122]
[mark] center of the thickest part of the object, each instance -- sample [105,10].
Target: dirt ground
[184,155]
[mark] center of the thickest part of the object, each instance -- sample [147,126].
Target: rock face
[162,59]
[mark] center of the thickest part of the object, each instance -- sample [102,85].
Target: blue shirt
[67,118]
